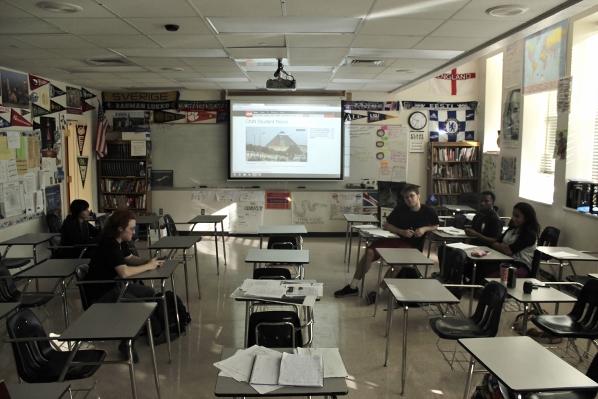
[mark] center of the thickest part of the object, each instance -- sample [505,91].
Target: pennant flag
[55,91]
[165,117]
[17,119]
[55,107]
[36,126]
[4,122]
[86,94]
[38,111]
[35,82]
[377,117]
[200,116]
[102,127]
[85,106]
[351,117]
[83,162]
[25,112]
[81,133]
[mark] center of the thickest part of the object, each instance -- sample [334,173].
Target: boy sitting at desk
[486,226]
[410,223]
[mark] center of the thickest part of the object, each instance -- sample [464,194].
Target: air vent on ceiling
[364,62]
[108,61]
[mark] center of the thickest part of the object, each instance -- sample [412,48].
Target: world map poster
[544,60]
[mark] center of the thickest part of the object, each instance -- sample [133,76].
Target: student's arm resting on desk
[125,271]
[421,231]
[524,239]
[408,233]
[472,233]
[134,260]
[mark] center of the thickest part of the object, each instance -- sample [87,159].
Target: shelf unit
[123,180]
[453,169]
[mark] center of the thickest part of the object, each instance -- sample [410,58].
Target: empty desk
[215,220]
[407,291]
[296,257]
[352,219]
[113,322]
[297,230]
[181,243]
[151,221]
[49,390]
[31,239]
[523,365]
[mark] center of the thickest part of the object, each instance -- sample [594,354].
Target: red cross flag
[459,82]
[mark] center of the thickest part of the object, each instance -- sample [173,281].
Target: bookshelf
[453,168]
[123,180]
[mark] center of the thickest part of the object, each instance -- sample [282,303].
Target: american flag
[101,148]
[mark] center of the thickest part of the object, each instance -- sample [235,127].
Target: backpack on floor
[184,316]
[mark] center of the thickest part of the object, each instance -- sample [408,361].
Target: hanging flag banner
[17,119]
[452,125]
[55,107]
[4,122]
[56,92]
[439,105]
[83,162]
[86,94]
[85,106]
[348,116]
[166,117]
[370,105]
[377,116]
[81,134]
[141,100]
[35,82]
[25,112]
[455,82]
[38,111]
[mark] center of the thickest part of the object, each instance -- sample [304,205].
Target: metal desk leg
[404,366]
[155,366]
[441,264]
[378,288]
[166,320]
[69,360]
[216,243]
[473,276]
[524,321]
[388,326]
[246,339]
[65,306]
[35,263]
[261,241]
[469,378]
[350,245]
[196,270]
[223,242]
[186,277]
[346,241]
[560,278]
[132,368]
[302,272]
[176,305]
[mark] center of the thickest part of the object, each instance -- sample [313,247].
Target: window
[547,159]
[492,105]
[595,149]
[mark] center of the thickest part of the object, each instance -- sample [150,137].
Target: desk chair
[10,293]
[284,242]
[272,273]
[275,329]
[37,361]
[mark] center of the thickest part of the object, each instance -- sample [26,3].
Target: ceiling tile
[157,9]
[344,86]
[284,24]
[121,41]
[56,41]
[389,86]
[399,26]
[84,53]
[9,11]
[316,56]
[24,53]
[235,8]
[171,52]
[93,26]
[258,52]
[415,63]
[329,8]
[385,41]
[404,53]
[223,75]
[472,28]
[187,41]
[356,70]
[234,40]
[90,9]
[201,86]
[238,86]
[312,76]
[7,42]
[332,40]
[25,25]
[449,43]
[155,26]
[476,9]
[157,63]
[348,74]
[416,9]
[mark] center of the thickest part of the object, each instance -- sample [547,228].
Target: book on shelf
[116,169]
[455,154]
[123,186]
[449,187]
[124,201]
[453,171]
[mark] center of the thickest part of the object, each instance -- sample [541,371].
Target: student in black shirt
[112,259]
[76,230]
[410,223]
[486,226]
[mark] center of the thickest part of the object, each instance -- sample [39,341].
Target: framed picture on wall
[162,178]
[15,89]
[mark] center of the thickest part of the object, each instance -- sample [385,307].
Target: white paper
[365,226]
[13,139]
[452,230]
[563,255]
[377,232]
[264,288]
[29,182]
[39,201]
[265,369]
[49,164]
[333,362]
[13,174]
[460,245]
[304,289]
[301,370]
[239,365]
[138,148]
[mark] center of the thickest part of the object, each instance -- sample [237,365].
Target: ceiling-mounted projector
[282,81]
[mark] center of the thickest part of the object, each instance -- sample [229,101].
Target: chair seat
[564,326]
[32,300]
[455,328]
[56,361]
[563,395]
[15,263]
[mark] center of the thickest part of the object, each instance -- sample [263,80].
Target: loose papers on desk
[284,290]
[331,357]
[377,232]
[301,370]
[460,245]
[563,255]
[452,230]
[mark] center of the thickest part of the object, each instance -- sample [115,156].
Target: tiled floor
[218,322]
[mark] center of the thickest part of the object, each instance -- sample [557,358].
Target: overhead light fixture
[404,70]
[59,7]
[506,10]
[172,69]
[283,81]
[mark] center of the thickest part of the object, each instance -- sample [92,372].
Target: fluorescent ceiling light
[171,53]
[59,7]
[284,24]
[420,6]
[404,53]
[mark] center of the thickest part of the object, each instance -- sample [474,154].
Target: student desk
[181,243]
[31,239]
[492,256]
[543,294]
[229,387]
[281,230]
[215,220]
[523,365]
[61,269]
[163,273]
[296,257]
[369,233]
[444,238]
[113,322]
[49,390]
[407,291]
[7,307]
[458,208]
[151,221]
[397,257]
[352,219]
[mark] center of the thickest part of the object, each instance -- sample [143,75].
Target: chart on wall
[378,146]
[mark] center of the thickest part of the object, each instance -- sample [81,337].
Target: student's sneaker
[346,291]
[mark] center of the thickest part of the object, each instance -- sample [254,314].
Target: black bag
[184,316]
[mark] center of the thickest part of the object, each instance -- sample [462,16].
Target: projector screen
[274,140]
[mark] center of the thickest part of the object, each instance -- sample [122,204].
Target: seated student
[410,223]
[518,242]
[76,230]
[112,259]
